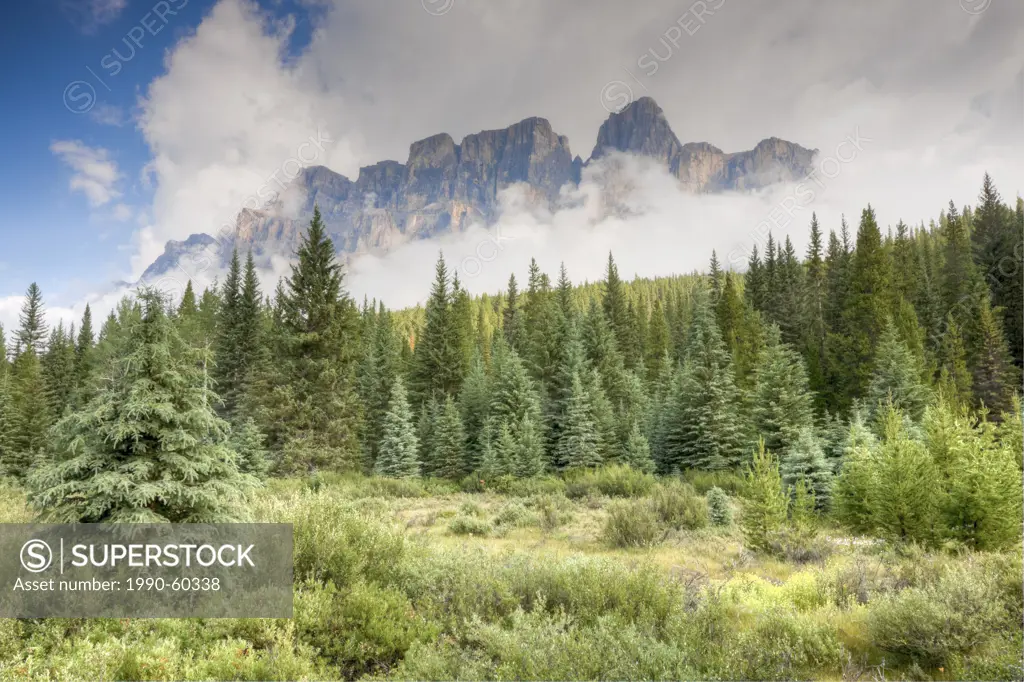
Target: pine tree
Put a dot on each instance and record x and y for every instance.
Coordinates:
(474, 404)
(248, 442)
(715, 275)
(32, 333)
(9, 460)
(813, 313)
(397, 454)
(764, 511)
(449, 443)
(780, 404)
(657, 343)
(804, 461)
(994, 375)
(578, 444)
(85, 357)
(637, 452)
(438, 359)
(230, 373)
(58, 368)
(529, 458)
(380, 368)
(896, 377)
(851, 495)
(708, 430)
(903, 485)
(148, 448)
(321, 413)
(30, 415)
(512, 323)
(614, 304)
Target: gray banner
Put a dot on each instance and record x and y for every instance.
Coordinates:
(146, 570)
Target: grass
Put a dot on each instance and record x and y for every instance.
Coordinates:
(425, 581)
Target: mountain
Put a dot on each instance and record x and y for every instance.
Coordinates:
(444, 186)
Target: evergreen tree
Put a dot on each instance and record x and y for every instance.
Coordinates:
(851, 498)
(637, 452)
(578, 444)
(903, 485)
(780, 404)
(706, 430)
(512, 323)
(248, 442)
(32, 333)
(614, 304)
(30, 414)
(320, 410)
(449, 443)
(9, 459)
(439, 358)
(764, 511)
(804, 461)
(85, 355)
(896, 377)
(994, 377)
(474, 404)
(58, 368)
(148, 448)
(529, 455)
(397, 454)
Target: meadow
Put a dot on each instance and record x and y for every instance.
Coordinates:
(608, 574)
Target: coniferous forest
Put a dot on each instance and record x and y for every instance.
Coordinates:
(808, 468)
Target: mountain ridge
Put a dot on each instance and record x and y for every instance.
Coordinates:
(443, 187)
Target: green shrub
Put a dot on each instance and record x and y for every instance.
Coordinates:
(334, 542)
(784, 645)
(731, 482)
(514, 514)
(527, 487)
(679, 507)
(470, 508)
(469, 525)
(553, 511)
(942, 619)
(361, 630)
(719, 509)
(616, 480)
(632, 524)
(393, 487)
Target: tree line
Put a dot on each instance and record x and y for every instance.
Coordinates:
(175, 410)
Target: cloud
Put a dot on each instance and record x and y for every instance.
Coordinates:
(95, 173)
(89, 15)
(941, 104)
(108, 114)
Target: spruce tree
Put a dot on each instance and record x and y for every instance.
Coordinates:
(529, 457)
(994, 376)
(474, 404)
(614, 304)
(321, 412)
(804, 460)
(85, 357)
(578, 443)
(248, 443)
(438, 359)
(380, 368)
(896, 377)
(637, 452)
(58, 368)
(449, 443)
(30, 414)
(31, 335)
(9, 460)
(148, 448)
(397, 455)
(710, 432)
(512, 322)
(902, 496)
(780, 404)
(764, 510)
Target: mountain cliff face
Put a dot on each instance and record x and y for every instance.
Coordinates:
(444, 186)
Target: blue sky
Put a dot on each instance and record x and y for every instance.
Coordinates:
(74, 72)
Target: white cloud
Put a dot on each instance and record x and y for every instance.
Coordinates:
(95, 173)
(108, 114)
(89, 15)
(941, 104)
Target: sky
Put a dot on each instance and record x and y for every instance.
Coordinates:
(126, 123)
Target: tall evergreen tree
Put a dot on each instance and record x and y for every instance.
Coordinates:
(578, 444)
(438, 359)
(31, 336)
(781, 403)
(512, 322)
(397, 455)
(319, 324)
(994, 376)
(896, 378)
(148, 447)
(449, 442)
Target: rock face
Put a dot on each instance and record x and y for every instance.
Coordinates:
(444, 186)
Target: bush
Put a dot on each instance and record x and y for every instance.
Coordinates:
(361, 630)
(469, 525)
(334, 542)
(934, 623)
(514, 515)
(616, 480)
(731, 482)
(553, 511)
(632, 524)
(678, 506)
(785, 645)
(719, 509)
